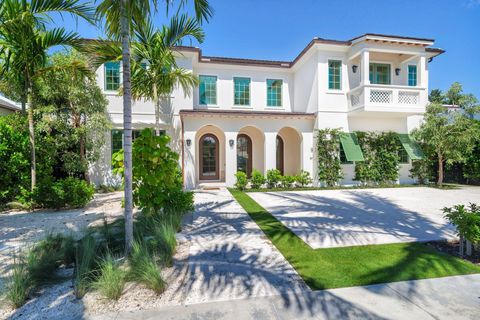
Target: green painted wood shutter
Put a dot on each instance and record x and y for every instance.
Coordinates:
(350, 145)
(412, 147)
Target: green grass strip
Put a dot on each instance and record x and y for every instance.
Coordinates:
(357, 265)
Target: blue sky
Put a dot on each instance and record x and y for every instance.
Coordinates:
(280, 29)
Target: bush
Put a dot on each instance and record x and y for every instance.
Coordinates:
(143, 268)
(70, 192)
(287, 181)
(257, 180)
(242, 181)
(328, 151)
(111, 281)
(19, 285)
(422, 171)
(303, 178)
(466, 220)
(273, 177)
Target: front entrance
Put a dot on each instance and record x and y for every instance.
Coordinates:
(244, 154)
(208, 146)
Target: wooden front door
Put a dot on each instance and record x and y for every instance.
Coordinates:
(208, 148)
(244, 154)
(280, 154)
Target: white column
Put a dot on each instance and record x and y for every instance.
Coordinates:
(423, 72)
(307, 152)
(365, 67)
(189, 160)
(230, 158)
(270, 150)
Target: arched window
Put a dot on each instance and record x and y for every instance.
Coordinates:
(244, 154)
(280, 154)
(208, 157)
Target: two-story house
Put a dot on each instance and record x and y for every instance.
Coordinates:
(259, 114)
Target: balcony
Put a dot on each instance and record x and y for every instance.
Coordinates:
(387, 98)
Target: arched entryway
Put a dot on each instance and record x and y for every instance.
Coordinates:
(289, 151)
(209, 157)
(280, 154)
(244, 154)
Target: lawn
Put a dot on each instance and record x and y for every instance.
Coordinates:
(354, 266)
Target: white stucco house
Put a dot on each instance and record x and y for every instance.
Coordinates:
(261, 114)
(8, 106)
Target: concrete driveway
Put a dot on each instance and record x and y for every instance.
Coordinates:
(338, 218)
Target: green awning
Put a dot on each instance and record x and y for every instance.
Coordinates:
(412, 147)
(350, 145)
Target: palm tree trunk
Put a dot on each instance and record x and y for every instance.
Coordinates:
(31, 135)
(440, 170)
(127, 126)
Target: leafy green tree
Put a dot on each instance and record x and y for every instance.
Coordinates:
(436, 96)
(121, 17)
(448, 136)
(24, 43)
(70, 104)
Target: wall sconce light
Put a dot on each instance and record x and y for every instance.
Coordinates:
(354, 68)
(397, 71)
(231, 142)
(189, 142)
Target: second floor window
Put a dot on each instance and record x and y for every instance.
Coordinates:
(112, 76)
(379, 73)
(274, 93)
(241, 91)
(208, 90)
(412, 75)
(334, 75)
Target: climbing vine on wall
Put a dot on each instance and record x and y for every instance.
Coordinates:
(380, 151)
(328, 150)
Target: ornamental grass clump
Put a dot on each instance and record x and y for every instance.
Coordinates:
(84, 265)
(112, 277)
(19, 285)
(144, 269)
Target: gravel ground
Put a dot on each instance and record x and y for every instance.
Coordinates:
(221, 255)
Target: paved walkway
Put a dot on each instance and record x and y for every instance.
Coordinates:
(445, 298)
(337, 218)
(229, 256)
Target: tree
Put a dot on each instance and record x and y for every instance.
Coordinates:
(121, 18)
(71, 104)
(447, 135)
(24, 44)
(436, 96)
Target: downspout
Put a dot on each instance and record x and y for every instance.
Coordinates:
(183, 151)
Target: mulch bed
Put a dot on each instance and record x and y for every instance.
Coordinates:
(453, 248)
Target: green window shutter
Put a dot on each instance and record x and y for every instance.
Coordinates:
(412, 147)
(274, 93)
(350, 145)
(208, 90)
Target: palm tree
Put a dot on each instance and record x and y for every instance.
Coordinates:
(24, 44)
(121, 18)
(155, 73)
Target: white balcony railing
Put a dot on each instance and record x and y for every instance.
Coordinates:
(387, 98)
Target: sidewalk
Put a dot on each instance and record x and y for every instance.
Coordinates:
(443, 298)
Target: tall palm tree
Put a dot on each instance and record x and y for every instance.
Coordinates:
(121, 18)
(155, 73)
(24, 44)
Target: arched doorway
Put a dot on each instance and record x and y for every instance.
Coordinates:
(244, 154)
(280, 154)
(209, 162)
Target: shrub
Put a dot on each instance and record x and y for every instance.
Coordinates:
(273, 177)
(111, 281)
(287, 181)
(144, 269)
(303, 178)
(70, 192)
(19, 285)
(466, 220)
(328, 151)
(422, 171)
(84, 263)
(179, 202)
(257, 180)
(242, 181)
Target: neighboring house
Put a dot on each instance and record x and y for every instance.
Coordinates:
(260, 114)
(8, 106)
